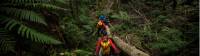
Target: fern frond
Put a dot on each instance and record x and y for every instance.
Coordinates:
(34, 5)
(6, 42)
(61, 1)
(10, 24)
(36, 36)
(23, 14)
(30, 33)
(50, 6)
(25, 1)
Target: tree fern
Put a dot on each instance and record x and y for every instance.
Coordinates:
(36, 36)
(17, 18)
(29, 32)
(25, 1)
(35, 6)
(23, 14)
(6, 42)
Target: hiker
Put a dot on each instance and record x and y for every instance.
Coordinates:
(104, 19)
(102, 25)
(107, 47)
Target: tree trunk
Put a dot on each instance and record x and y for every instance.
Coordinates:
(130, 50)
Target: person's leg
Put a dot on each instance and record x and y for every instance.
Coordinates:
(104, 32)
(98, 31)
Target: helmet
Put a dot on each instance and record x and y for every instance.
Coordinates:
(101, 17)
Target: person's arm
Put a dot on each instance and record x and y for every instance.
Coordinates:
(116, 50)
(98, 44)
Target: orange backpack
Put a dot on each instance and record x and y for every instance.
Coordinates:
(101, 24)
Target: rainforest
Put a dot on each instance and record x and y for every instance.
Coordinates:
(99, 28)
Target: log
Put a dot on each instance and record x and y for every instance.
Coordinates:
(130, 50)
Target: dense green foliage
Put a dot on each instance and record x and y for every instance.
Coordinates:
(166, 28)
(53, 27)
(20, 22)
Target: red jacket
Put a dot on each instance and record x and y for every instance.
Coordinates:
(113, 46)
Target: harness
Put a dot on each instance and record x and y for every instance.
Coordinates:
(105, 45)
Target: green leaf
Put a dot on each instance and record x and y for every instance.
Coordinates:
(6, 42)
(37, 36)
(23, 14)
(26, 1)
(32, 34)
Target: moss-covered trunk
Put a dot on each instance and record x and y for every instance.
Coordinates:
(130, 50)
